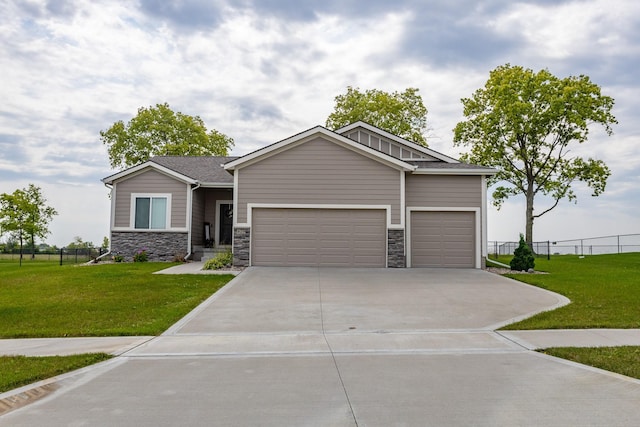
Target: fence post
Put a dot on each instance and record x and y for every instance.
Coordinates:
(61, 249)
(618, 243)
(548, 250)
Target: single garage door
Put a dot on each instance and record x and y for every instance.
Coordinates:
(318, 237)
(442, 239)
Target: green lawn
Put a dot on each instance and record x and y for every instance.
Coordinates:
(16, 371)
(604, 291)
(623, 360)
(42, 299)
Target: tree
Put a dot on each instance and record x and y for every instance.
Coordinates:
(105, 242)
(402, 114)
(158, 131)
(78, 243)
(25, 214)
(523, 259)
(522, 123)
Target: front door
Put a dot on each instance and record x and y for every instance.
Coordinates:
(225, 224)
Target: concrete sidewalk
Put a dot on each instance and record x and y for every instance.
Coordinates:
(68, 346)
(428, 341)
(195, 267)
(539, 339)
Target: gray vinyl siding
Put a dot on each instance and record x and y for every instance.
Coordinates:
(386, 146)
(443, 191)
(197, 217)
(318, 172)
(151, 181)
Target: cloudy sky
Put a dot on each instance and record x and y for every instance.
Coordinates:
(262, 70)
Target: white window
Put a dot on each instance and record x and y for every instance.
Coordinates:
(150, 211)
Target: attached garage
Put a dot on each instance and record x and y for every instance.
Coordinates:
(443, 239)
(318, 237)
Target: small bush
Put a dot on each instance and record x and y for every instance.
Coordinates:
(118, 258)
(179, 257)
(141, 256)
(222, 260)
(522, 257)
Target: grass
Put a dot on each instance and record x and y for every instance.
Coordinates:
(17, 371)
(623, 360)
(604, 291)
(42, 299)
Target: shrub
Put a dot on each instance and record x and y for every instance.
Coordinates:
(222, 260)
(118, 258)
(141, 256)
(179, 257)
(522, 257)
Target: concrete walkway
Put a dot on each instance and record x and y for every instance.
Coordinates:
(345, 348)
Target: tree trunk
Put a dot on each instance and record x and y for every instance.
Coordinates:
(33, 248)
(529, 217)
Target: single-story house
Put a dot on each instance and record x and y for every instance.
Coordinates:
(357, 196)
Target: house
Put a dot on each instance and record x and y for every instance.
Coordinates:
(357, 196)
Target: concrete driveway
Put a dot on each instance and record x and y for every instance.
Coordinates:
(344, 347)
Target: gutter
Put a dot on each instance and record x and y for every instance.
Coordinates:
(190, 219)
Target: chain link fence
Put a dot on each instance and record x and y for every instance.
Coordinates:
(621, 243)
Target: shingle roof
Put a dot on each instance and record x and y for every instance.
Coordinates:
(204, 169)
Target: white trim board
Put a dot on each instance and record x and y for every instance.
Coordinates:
(129, 173)
(310, 134)
(478, 234)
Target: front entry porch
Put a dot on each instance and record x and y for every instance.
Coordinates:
(212, 222)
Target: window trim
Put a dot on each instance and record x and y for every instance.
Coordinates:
(132, 217)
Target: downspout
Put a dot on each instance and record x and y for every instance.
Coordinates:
(190, 219)
(493, 261)
(110, 187)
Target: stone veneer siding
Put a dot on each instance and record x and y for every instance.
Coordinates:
(159, 246)
(241, 246)
(395, 249)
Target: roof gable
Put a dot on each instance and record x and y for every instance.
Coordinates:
(205, 170)
(308, 135)
(394, 139)
(127, 173)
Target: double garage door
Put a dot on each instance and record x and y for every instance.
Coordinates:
(318, 237)
(357, 238)
(443, 239)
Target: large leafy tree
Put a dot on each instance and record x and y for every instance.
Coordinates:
(159, 131)
(400, 113)
(523, 123)
(24, 214)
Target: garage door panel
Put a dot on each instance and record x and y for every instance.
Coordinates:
(442, 239)
(318, 237)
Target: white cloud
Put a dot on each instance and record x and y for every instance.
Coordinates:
(568, 29)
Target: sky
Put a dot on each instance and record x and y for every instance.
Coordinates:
(263, 70)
